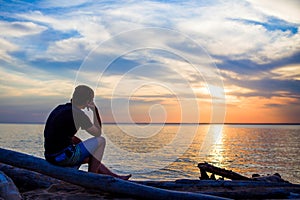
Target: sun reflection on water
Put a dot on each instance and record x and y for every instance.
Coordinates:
(212, 147)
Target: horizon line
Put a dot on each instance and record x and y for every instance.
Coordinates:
(178, 123)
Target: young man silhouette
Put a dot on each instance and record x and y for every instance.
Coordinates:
(63, 148)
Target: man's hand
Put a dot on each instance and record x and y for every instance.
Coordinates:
(97, 119)
(76, 140)
(91, 105)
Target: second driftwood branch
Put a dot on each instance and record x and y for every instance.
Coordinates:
(229, 174)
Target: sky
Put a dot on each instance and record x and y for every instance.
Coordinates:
(171, 61)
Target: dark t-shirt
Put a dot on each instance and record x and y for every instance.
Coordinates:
(62, 124)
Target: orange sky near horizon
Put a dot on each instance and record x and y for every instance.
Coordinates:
(246, 110)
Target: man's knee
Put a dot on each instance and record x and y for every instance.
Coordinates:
(101, 140)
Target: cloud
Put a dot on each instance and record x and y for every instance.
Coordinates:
(18, 85)
(143, 67)
(274, 80)
(280, 45)
(266, 85)
(20, 29)
(70, 49)
(12, 31)
(6, 48)
(239, 31)
(57, 22)
(61, 4)
(219, 34)
(90, 33)
(29, 96)
(289, 72)
(239, 40)
(287, 10)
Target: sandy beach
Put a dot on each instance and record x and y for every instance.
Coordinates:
(66, 191)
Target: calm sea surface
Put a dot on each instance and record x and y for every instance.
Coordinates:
(168, 152)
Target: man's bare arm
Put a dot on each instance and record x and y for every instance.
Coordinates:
(96, 128)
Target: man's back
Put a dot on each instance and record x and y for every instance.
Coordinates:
(59, 129)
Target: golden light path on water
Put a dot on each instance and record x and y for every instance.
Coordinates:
(218, 146)
(212, 145)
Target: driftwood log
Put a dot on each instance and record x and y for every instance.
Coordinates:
(8, 190)
(232, 189)
(205, 167)
(94, 181)
(27, 180)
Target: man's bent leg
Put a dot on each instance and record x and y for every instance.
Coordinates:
(96, 147)
(92, 144)
(102, 169)
(92, 151)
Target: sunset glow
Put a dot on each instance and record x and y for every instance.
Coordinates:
(248, 68)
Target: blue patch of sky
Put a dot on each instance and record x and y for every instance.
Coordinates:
(199, 3)
(7, 17)
(246, 66)
(21, 55)
(273, 24)
(121, 66)
(73, 4)
(55, 66)
(50, 35)
(266, 87)
(270, 87)
(293, 59)
(40, 44)
(9, 10)
(43, 40)
(58, 69)
(10, 7)
(14, 6)
(149, 69)
(147, 64)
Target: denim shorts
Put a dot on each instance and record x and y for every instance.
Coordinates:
(72, 156)
(84, 153)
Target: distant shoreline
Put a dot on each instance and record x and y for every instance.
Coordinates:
(143, 123)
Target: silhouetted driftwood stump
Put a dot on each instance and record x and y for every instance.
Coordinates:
(205, 167)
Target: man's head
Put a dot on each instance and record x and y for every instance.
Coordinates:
(82, 95)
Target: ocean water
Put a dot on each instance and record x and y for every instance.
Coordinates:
(172, 151)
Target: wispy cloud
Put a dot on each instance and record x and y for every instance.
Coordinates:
(287, 10)
(18, 85)
(289, 72)
(19, 29)
(6, 48)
